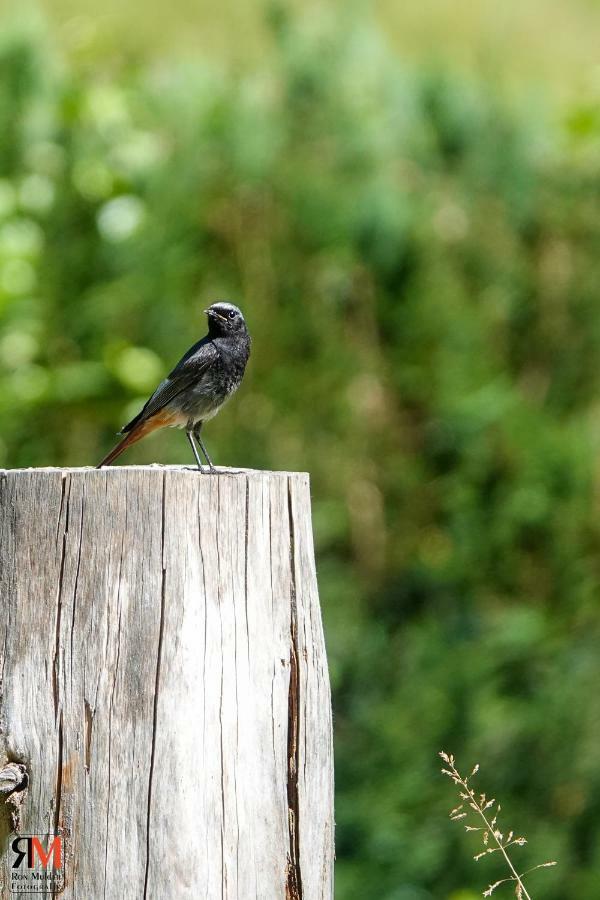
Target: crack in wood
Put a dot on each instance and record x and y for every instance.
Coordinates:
(293, 887)
(59, 775)
(156, 687)
(87, 741)
(219, 595)
(246, 530)
(59, 598)
(77, 570)
(111, 704)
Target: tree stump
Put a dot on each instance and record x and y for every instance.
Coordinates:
(165, 703)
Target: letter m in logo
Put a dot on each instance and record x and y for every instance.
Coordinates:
(54, 851)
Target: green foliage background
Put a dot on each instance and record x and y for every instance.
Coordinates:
(417, 258)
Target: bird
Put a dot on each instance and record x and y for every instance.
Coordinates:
(196, 389)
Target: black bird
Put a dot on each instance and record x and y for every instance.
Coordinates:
(199, 384)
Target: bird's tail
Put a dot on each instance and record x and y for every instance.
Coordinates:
(139, 431)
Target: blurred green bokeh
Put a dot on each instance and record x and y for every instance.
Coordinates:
(416, 250)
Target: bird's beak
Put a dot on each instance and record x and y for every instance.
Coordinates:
(214, 315)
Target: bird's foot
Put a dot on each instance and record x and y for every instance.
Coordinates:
(204, 470)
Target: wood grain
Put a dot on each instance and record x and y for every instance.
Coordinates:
(164, 682)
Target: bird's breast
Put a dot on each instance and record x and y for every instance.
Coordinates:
(203, 399)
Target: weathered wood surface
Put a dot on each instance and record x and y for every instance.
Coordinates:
(164, 681)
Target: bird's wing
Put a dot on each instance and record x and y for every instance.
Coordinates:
(186, 373)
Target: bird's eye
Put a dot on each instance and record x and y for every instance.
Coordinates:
(231, 314)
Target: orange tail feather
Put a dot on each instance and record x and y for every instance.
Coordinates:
(160, 420)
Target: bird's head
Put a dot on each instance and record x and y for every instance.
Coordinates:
(224, 319)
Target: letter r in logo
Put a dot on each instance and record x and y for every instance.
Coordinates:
(20, 854)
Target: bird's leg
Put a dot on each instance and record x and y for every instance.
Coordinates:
(194, 449)
(197, 428)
